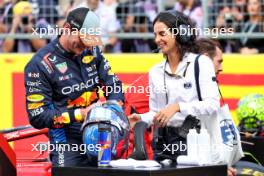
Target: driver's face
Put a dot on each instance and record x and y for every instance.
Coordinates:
(218, 60)
(75, 44)
(93, 4)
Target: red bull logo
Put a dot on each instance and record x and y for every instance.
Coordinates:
(105, 146)
(82, 101)
(61, 120)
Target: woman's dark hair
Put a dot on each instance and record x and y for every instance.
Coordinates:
(173, 20)
(261, 2)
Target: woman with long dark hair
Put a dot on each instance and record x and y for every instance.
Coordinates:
(254, 24)
(173, 94)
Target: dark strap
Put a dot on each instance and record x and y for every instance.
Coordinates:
(184, 73)
(222, 98)
(196, 75)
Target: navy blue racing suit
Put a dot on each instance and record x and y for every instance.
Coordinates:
(57, 84)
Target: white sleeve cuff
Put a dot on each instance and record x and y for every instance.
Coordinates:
(148, 117)
(184, 108)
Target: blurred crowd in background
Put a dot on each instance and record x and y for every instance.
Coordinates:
(131, 16)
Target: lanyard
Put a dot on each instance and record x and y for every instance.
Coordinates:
(171, 75)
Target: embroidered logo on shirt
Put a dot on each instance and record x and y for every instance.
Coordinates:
(62, 67)
(87, 59)
(53, 59)
(187, 85)
(35, 98)
(46, 63)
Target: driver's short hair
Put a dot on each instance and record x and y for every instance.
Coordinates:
(205, 45)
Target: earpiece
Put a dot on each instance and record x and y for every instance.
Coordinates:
(184, 34)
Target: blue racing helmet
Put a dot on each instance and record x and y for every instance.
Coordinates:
(110, 114)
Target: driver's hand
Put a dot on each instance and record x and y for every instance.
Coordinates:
(84, 111)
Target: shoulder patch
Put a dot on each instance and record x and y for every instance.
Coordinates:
(53, 58)
(46, 63)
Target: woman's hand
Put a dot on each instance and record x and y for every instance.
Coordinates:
(163, 116)
(231, 171)
(84, 112)
(133, 119)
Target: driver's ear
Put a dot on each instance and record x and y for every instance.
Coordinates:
(67, 27)
(206, 54)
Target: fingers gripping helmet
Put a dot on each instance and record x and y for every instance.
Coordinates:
(250, 112)
(112, 115)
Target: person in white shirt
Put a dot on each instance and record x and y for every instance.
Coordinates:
(214, 51)
(173, 94)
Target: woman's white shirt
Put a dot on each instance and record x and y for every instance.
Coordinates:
(182, 90)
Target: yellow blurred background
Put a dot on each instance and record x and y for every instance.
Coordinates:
(243, 74)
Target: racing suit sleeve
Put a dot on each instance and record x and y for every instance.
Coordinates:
(41, 111)
(112, 86)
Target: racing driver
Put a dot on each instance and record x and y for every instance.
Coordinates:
(62, 80)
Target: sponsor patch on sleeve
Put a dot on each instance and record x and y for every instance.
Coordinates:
(35, 105)
(35, 98)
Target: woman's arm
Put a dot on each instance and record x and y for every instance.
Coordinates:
(153, 104)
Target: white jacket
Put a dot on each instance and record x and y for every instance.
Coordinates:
(182, 90)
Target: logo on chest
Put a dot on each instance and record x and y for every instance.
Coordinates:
(187, 85)
(65, 77)
(62, 67)
(87, 59)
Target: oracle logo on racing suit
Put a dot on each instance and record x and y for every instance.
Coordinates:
(79, 87)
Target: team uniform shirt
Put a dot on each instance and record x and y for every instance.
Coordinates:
(58, 83)
(181, 88)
